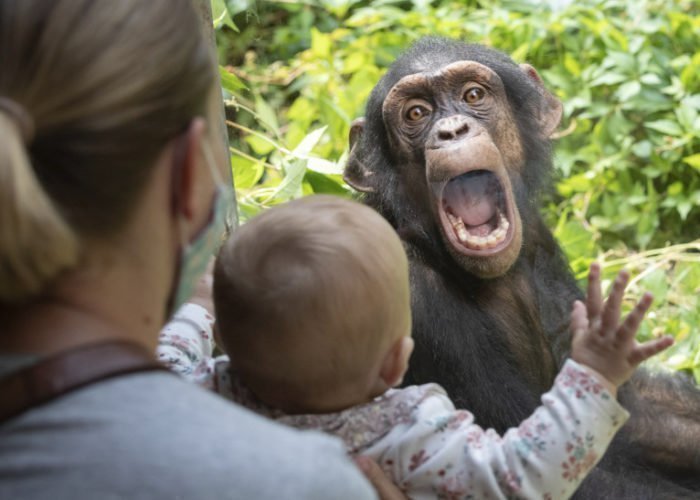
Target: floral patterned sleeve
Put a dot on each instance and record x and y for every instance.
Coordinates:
(444, 454)
(186, 345)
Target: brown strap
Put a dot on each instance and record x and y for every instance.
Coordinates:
(56, 375)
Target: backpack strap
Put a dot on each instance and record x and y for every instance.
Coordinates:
(67, 371)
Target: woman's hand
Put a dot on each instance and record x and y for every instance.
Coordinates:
(384, 487)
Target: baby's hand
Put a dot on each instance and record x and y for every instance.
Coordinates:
(600, 341)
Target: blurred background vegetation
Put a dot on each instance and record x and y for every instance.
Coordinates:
(627, 166)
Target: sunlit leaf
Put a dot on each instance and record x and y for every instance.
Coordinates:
(667, 127)
(291, 184)
(221, 15)
(309, 142)
(628, 90)
(229, 81)
(693, 161)
(259, 145)
(266, 114)
(246, 172)
(325, 184)
(320, 44)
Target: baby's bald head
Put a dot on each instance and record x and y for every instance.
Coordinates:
(309, 296)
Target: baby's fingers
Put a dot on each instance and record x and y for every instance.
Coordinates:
(629, 327)
(594, 297)
(611, 314)
(579, 319)
(648, 349)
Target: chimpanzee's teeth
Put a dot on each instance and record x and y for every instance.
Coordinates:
(493, 239)
(459, 227)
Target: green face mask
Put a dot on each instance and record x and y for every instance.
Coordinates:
(196, 254)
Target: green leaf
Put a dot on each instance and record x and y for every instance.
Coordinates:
(656, 283)
(324, 166)
(686, 115)
(320, 44)
(575, 239)
(609, 79)
(246, 173)
(309, 142)
(628, 90)
(642, 149)
(266, 115)
(646, 225)
(290, 187)
(325, 184)
(650, 79)
(221, 16)
(675, 189)
(684, 208)
(666, 127)
(260, 146)
(693, 161)
(230, 82)
(572, 65)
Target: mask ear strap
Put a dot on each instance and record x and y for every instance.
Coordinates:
(211, 163)
(225, 188)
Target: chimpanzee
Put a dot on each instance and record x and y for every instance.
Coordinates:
(455, 152)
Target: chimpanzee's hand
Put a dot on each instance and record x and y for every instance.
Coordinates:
(604, 344)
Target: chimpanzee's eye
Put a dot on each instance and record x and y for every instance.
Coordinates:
(474, 95)
(416, 113)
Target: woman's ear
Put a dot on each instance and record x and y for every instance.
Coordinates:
(189, 174)
(395, 362)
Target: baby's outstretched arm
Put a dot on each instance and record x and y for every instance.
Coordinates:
(551, 452)
(603, 343)
(186, 345)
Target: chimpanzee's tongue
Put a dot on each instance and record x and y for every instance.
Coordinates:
(473, 197)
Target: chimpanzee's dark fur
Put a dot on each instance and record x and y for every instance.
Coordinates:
(496, 344)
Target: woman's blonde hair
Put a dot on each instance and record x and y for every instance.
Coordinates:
(103, 86)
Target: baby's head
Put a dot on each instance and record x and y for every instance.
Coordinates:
(312, 305)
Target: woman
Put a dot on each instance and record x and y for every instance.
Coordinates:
(109, 204)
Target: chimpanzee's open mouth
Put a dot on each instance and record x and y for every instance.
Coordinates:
(476, 208)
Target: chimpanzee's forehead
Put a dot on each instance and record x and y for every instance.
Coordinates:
(432, 54)
(456, 73)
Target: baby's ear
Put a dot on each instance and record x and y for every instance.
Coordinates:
(396, 361)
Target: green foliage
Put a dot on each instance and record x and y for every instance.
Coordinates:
(672, 275)
(627, 156)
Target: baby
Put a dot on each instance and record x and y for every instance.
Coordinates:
(313, 309)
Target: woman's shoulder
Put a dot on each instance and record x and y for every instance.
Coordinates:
(159, 434)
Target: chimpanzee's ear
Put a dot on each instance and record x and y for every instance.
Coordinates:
(356, 172)
(356, 128)
(551, 110)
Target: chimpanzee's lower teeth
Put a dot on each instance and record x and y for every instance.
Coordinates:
(492, 240)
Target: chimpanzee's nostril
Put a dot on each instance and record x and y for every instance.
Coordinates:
(462, 130)
(453, 131)
(446, 135)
